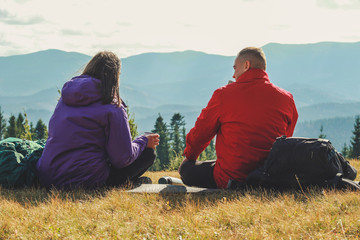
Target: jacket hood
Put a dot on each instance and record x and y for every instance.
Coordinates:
(80, 91)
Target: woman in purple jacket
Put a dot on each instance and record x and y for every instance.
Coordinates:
(89, 143)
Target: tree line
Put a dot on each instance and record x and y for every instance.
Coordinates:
(172, 142)
(353, 150)
(20, 127)
(172, 137)
(169, 152)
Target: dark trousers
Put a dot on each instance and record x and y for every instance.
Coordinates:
(198, 173)
(118, 177)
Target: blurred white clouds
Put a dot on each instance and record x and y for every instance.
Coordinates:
(12, 19)
(340, 4)
(132, 27)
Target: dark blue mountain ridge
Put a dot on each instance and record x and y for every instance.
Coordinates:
(22, 75)
(327, 66)
(322, 77)
(190, 77)
(165, 68)
(187, 77)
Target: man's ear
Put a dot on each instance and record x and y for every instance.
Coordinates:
(247, 65)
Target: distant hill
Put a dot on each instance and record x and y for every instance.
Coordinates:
(329, 110)
(185, 78)
(23, 75)
(337, 130)
(322, 77)
(316, 73)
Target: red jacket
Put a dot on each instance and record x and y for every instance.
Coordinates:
(246, 116)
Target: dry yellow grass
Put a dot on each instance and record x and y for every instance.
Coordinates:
(116, 214)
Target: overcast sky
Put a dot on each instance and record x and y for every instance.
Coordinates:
(130, 27)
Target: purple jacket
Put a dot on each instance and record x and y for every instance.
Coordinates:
(85, 136)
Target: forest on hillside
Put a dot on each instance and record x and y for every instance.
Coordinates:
(169, 152)
(173, 135)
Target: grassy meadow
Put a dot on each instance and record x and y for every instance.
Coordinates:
(116, 214)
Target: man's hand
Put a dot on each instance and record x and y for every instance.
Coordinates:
(153, 140)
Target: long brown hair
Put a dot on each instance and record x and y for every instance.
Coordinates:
(105, 66)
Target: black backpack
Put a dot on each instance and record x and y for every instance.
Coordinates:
(301, 162)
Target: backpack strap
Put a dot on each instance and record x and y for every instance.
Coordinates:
(345, 183)
(349, 171)
(339, 182)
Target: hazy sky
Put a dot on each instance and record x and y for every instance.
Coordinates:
(136, 26)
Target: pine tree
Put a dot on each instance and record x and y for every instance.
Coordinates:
(349, 152)
(2, 125)
(183, 133)
(27, 133)
(32, 129)
(322, 135)
(177, 141)
(162, 161)
(202, 156)
(210, 151)
(11, 128)
(20, 130)
(132, 124)
(355, 140)
(40, 131)
(345, 151)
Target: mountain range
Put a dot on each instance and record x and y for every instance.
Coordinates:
(322, 77)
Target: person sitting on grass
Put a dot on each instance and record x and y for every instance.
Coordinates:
(89, 143)
(246, 117)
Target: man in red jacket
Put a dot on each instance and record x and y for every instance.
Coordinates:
(246, 117)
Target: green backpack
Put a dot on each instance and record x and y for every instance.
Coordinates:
(18, 160)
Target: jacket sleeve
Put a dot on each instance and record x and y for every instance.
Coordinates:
(206, 127)
(292, 123)
(121, 150)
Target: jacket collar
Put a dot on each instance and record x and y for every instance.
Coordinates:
(253, 74)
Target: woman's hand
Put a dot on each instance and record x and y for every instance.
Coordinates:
(153, 140)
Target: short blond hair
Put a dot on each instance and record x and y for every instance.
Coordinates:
(255, 56)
